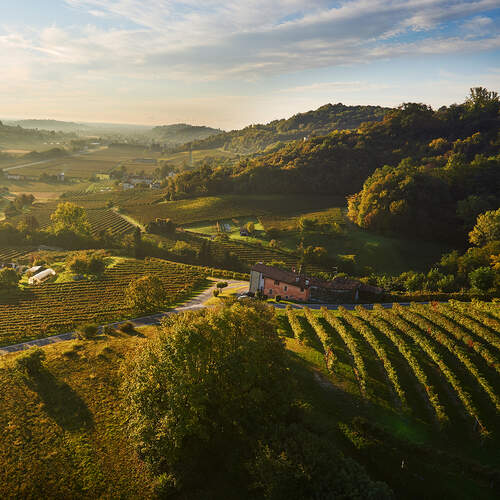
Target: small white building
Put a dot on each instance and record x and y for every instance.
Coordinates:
(41, 277)
(35, 269)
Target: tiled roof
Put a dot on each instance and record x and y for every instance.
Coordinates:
(303, 281)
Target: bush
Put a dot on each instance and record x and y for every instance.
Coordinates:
(222, 284)
(88, 331)
(216, 292)
(108, 330)
(31, 361)
(278, 298)
(127, 327)
(482, 278)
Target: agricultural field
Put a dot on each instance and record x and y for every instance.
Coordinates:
(13, 254)
(42, 310)
(100, 219)
(182, 158)
(213, 208)
(326, 216)
(84, 165)
(437, 365)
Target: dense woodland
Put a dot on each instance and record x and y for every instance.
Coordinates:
(321, 121)
(427, 171)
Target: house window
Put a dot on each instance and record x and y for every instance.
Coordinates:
(270, 291)
(276, 282)
(301, 289)
(285, 288)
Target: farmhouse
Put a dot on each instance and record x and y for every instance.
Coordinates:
(273, 281)
(41, 277)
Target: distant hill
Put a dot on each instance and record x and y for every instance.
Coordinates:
(180, 133)
(302, 125)
(431, 165)
(56, 125)
(17, 136)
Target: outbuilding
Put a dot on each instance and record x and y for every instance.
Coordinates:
(41, 277)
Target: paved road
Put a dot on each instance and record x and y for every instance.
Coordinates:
(197, 302)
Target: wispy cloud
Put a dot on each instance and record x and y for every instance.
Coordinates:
(137, 44)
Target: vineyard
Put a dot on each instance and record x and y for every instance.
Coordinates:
(439, 363)
(12, 254)
(58, 307)
(327, 216)
(100, 219)
(209, 208)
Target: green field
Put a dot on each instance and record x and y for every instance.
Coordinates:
(62, 433)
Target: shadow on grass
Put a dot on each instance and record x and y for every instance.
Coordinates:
(61, 402)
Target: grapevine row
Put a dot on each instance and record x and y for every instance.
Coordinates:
(425, 325)
(425, 345)
(351, 344)
(395, 337)
(322, 335)
(366, 331)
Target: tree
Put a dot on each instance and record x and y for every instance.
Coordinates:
(200, 393)
(9, 278)
(146, 294)
(70, 217)
(482, 278)
(487, 228)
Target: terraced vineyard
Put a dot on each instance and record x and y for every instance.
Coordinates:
(438, 362)
(12, 254)
(49, 308)
(100, 219)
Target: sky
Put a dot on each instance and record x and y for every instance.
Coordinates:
(228, 64)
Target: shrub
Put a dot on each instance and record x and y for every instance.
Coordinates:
(108, 330)
(31, 361)
(222, 284)
(88, 331)
(127, 327)
(482, 278)
(278, 298)
(216, 292)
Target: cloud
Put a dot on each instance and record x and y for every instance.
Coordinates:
(211, 39)
(137, 48)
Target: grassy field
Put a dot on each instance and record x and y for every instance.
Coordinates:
(62, 433)
(386, 254)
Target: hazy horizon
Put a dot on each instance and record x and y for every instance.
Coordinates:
(227, 66)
